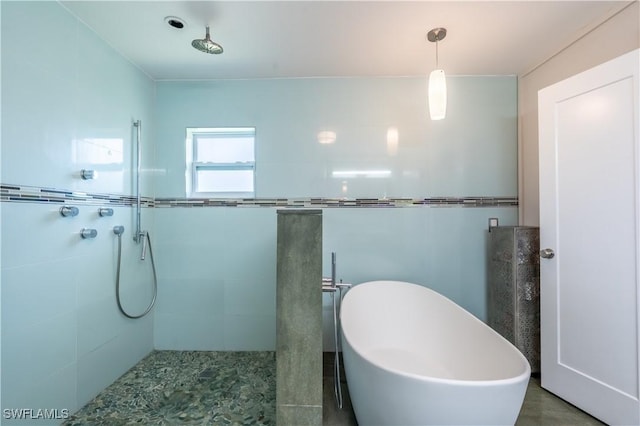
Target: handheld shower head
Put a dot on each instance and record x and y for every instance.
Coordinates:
(206, 45)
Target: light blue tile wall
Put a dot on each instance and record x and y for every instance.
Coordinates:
(217, 271)
(471, 153)
(63, 92)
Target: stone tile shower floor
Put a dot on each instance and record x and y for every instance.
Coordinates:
(188, 388)
(238, 388)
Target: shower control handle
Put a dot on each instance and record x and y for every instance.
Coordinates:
(105, 211)
(69, 211)
(88, 174)
(88, 233)
(547, 253)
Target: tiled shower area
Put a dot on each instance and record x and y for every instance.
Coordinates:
(69, 104)
(189, 387)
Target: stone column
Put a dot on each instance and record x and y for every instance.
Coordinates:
(299, 318)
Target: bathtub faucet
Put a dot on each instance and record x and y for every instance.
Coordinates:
(330, 284)
(333, 269)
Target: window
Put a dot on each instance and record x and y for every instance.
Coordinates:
(221, 162)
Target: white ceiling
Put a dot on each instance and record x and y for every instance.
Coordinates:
(273, 39)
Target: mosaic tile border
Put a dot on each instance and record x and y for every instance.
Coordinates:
(340, 202)
(21, 193)
(33, 194)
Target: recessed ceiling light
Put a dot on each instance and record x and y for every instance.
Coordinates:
(175, 22)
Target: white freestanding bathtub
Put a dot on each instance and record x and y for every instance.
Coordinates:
(414, 357)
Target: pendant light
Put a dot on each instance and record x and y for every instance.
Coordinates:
(437, 81)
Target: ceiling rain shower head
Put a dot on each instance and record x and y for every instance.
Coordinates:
(206, 45)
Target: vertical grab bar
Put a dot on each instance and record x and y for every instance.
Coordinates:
(137, 236)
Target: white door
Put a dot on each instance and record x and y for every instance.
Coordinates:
(590, 224)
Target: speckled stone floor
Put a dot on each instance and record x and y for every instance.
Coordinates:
(188, 388)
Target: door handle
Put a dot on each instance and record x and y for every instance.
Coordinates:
(547, 253)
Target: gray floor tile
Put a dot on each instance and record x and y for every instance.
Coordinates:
(544, 408)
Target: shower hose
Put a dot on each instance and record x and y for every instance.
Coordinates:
(155, 279)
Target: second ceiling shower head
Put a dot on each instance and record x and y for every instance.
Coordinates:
(207, 45)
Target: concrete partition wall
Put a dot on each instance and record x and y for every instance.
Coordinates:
(299, 318)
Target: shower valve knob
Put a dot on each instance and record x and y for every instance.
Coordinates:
(69, 211)
(88, 233)
(105, 212)
(88, 174)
